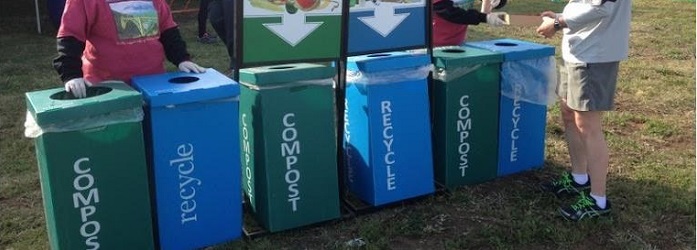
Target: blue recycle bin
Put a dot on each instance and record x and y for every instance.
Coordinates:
(385, 26)
(527, 75)
(194, 157)
(387, 133)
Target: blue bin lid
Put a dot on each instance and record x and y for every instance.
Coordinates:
(514, 50)
(387, 61)
(179, 87)
(53, 106)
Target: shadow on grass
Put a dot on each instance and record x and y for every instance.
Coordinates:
(510, 212)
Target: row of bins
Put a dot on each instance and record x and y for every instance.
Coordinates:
(275, 135)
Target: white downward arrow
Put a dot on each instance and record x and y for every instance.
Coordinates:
(384, 21)
(293, 28)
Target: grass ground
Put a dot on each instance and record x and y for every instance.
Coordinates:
(651, 137)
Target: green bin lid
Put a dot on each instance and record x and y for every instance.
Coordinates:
(455, 56)
(55, 105)
(285, 73)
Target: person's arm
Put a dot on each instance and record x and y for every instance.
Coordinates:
(174, 46)
(598, 9)
(175, 51)
(68, 63)
(486, 6)
(447, 11)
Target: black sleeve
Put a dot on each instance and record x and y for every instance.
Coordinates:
(174, 45)
(68, 63)
(447, 11)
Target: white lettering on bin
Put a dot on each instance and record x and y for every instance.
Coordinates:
(187, 183)
(84, 181)
(290, 149)
(515, 119)
(247, 159)
(388, 139)
(464, 125)
(347, 144)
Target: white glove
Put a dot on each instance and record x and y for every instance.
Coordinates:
(190, 67)
(78, 87)
(494, 19)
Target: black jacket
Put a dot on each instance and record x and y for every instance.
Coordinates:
(446, 10)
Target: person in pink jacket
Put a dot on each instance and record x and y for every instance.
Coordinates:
(116, 40)
(450, 22)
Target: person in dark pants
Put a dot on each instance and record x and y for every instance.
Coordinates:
(203, 36)
(218, 16)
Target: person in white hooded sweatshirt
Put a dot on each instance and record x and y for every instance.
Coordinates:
(595, 39)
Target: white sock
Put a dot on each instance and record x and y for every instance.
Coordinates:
(580, 178)
(601, 201)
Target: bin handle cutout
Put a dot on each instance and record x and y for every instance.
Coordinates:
(95, 129)
(298, 88)
(379, 55)
(454, 51)
(91, 92)
(183, 79)
(505, 44)
(282, 67)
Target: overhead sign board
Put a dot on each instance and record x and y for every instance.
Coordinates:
(386, 25)
(279, 31)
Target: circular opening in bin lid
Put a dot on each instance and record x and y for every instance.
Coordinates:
(378, 55)
(506, 44)
(282, 67)
(454, 51)
(91, 92)
(183, 79)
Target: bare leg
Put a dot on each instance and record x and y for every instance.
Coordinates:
(486, 6)
(597, 156)
(577, 151)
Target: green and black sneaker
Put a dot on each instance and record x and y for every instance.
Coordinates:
(565, 186)
(584, 208)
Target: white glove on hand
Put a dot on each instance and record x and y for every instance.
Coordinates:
(494, 19)
(78, 87)
(190, 67)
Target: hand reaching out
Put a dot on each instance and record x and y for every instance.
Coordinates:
(494, 19)
(190, 67)
(547, 29)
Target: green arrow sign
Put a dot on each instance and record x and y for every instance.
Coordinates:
(283, 31)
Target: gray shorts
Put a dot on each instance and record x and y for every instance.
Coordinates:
(588, 86)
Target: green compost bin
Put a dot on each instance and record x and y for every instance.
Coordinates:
(465, 103)
(92, 167)
(288, 142)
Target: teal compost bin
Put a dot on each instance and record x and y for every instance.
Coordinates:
(288, 138)
(526, 75)
(465, 97)
(387, 135)
(192, 131)
(92, 166)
